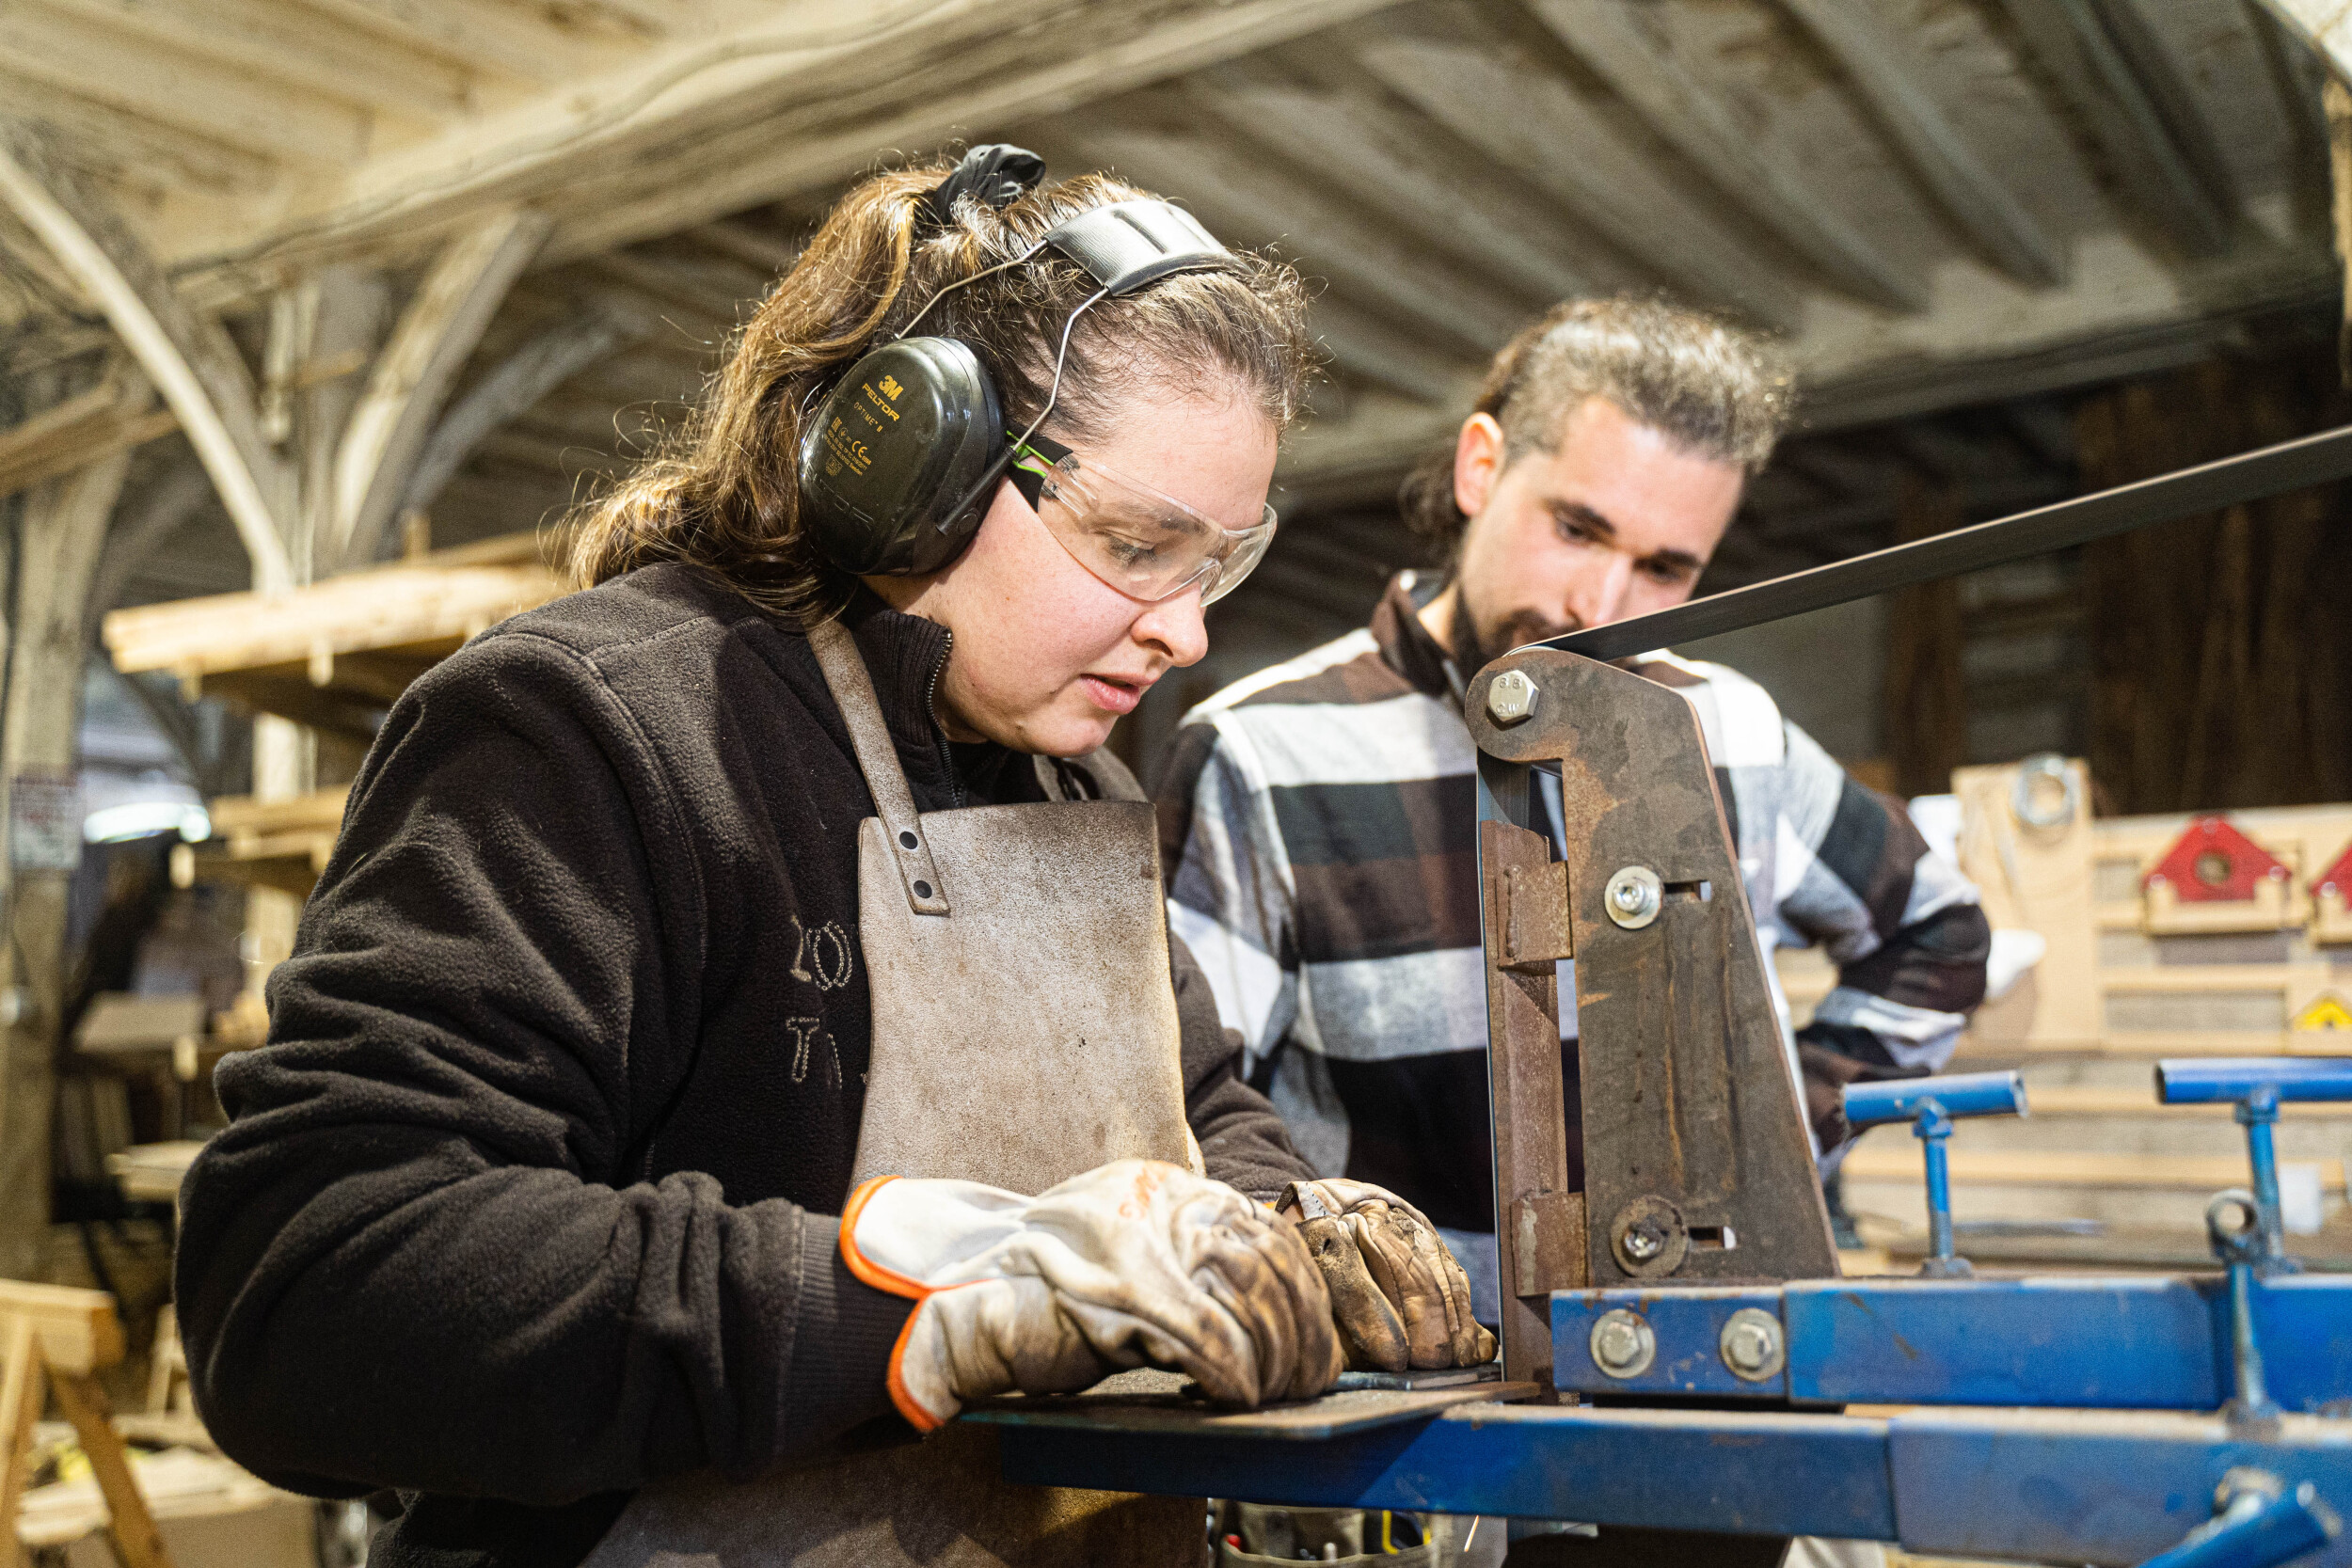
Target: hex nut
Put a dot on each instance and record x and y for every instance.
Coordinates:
(1633, 897)
(1622, 1343)
(1753, 1346)
(1512, 698)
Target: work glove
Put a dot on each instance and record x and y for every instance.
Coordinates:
(1400, 1298)
(1134, 1262)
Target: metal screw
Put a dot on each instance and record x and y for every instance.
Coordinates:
(1511, 698)
(1751, 1344)
(1622, 1343)
(1644, 1242)
(1633, 897)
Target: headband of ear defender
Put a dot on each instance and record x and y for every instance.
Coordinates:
(901, 460)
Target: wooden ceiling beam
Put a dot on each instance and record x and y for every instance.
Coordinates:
(295, 125)
(387, 432)
(190, 358)
(716, 126)
(510, 389)
(2072, 43)
(1343, 137)
(292, 46)
(115, 416)
(769, 253)
(1689, 115)
(1553, 139)
(1880, 66)
(134, 150)
(468, 35)
(1369, 349)
(1247, 202)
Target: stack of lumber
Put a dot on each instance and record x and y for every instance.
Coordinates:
(337, 653)
(279, 844)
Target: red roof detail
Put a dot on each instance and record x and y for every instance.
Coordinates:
(2233, 864)
(2339, 874)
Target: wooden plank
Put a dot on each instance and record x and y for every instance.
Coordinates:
(470, 36)
(293, 47)
(1881, 65)
(1624, 48)
(1493, 231)
(129, 1526)
(292, 123)
(1559, 144)
(76, 1330)
(2073, 48)
(23, 1387)
(1247, 202)
(436, 334)
(191, 360)
(320, 810)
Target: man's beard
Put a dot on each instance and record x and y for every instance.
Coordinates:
(1479, 641)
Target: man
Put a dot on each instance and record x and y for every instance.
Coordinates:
(1317, 819)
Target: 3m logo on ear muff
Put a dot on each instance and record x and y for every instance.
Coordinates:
(891, 388)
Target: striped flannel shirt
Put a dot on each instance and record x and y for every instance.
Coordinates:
(1317, 822)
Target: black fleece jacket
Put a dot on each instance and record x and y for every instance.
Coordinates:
(528, 1199)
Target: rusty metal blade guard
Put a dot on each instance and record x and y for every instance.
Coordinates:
(1696, 1165)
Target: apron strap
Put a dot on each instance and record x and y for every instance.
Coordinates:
(877, 759)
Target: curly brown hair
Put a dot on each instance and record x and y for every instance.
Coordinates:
(724, 494)
(1716, 389)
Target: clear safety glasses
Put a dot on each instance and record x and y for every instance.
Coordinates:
(1146, 545)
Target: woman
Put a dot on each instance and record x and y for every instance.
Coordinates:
(630, 956)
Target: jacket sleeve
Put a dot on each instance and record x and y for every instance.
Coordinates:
(1242, 1138)
(1899, 921)
(417, 1257)
(1231, 896)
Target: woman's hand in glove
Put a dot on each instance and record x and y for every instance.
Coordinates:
(1131, 1263)
(1400, 1298)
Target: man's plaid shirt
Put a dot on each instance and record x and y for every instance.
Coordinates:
(1318, 824)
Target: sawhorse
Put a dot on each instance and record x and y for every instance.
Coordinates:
(54, 1338)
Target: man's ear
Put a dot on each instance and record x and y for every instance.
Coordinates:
(1477, 463)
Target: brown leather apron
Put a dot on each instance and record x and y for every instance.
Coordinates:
(1024, 1030)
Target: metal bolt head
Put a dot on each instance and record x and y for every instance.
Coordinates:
(1512, 698)
(1645, 1240)
(1752, 1345)
(1633, 897)
(1622, 1343)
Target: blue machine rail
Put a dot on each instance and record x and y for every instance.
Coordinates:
(2224, 1080)
(2128, 1342)
(2042, 1485)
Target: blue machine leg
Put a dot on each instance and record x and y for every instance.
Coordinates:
(2257, 1522)
(1933, 1130)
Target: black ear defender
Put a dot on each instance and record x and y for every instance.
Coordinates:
(900, 462)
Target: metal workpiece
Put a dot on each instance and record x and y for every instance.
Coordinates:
(2123, 1343)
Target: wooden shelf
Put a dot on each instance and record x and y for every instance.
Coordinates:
(276, 844)
(337, 653)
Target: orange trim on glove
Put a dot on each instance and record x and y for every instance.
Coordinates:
(892, 1282)
(866, 1271)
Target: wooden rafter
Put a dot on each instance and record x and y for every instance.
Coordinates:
(112, 417)
(1689, 116)
(518, 382)
(2102, 82)
(388, 430)
(189, 358)
(1557, 142)
(1879, 65)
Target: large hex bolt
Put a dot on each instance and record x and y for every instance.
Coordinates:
(1752, 1345)
(1622, 1343)
(1633, 897)
(1510, 699)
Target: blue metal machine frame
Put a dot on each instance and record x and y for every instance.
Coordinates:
(2185, 1421)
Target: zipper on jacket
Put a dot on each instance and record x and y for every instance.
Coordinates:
(930, 711)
